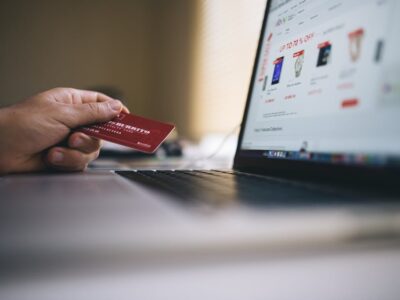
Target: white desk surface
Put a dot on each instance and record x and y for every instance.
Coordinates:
(356, 274)
(365, 271)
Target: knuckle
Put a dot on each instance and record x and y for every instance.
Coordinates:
(96, 144)
(95, 108)
(60, 90)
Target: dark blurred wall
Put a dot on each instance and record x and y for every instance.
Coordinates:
(142, 47)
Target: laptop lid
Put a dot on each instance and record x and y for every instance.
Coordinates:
(324, 98)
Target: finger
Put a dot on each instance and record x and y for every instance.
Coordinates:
(75, 96)
(69, 159)
(125, 109)
(90, 113)
(92, 96)
(84, 143)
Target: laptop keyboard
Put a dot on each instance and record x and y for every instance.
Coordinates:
(226, 187)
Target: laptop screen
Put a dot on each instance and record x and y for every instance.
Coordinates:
(327, 83)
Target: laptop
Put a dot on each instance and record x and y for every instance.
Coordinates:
(322, 110)
(317, 162)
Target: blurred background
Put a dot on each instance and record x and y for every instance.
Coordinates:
(185, 62)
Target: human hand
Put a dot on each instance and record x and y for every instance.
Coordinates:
(37, 134)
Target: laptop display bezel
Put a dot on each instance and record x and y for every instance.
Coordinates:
(299, 168)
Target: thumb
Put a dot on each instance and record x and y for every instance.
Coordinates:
(94, 112)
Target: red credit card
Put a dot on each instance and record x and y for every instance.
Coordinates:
(139, 133)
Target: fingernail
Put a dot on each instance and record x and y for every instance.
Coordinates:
(77, 142)
(116, 106)
(57, 157)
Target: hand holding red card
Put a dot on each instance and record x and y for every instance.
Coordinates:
(139, 133)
